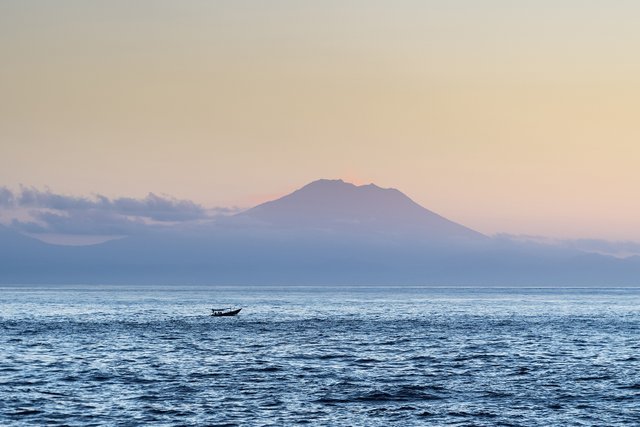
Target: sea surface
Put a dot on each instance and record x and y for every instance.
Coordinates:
(333, 356)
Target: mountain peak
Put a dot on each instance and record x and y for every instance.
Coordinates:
(336, 183)
(334, 187)
(343, 206)
(326, 183)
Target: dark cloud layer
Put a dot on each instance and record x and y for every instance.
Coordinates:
(92, 222)
(158, 208)
(6, 197)
(49, 212)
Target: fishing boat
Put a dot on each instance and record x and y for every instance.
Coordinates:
(225, 311)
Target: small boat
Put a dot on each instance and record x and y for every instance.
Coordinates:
(225, 311)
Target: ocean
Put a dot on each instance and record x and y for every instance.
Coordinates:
(332, 356)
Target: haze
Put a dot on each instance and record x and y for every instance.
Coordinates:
(515, 117)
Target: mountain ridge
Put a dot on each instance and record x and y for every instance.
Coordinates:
(369, 208)
(327, 232)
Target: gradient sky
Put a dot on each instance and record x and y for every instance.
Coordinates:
(506, 116)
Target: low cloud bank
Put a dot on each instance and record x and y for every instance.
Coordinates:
(36, 211)
(620, 249)
(158, 208)
(44, 213)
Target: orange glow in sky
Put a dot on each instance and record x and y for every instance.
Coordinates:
(517, 117)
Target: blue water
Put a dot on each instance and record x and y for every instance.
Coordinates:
(88, 355)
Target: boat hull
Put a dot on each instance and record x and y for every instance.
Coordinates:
(226, 313)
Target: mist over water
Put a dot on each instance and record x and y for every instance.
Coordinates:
(89, 355)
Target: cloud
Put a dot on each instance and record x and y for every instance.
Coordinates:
(158, 208)
(600, 246)
(6, 197)
(616, 248)
(92, 222)
(49, 212)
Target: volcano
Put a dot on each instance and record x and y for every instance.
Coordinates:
(338, 205)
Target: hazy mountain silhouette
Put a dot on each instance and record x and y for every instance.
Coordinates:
(16, 247)
(327, 232)
(337, 205)
(13, 240)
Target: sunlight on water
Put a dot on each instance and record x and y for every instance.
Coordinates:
(365, 356)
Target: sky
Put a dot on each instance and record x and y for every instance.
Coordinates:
(506, 116)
